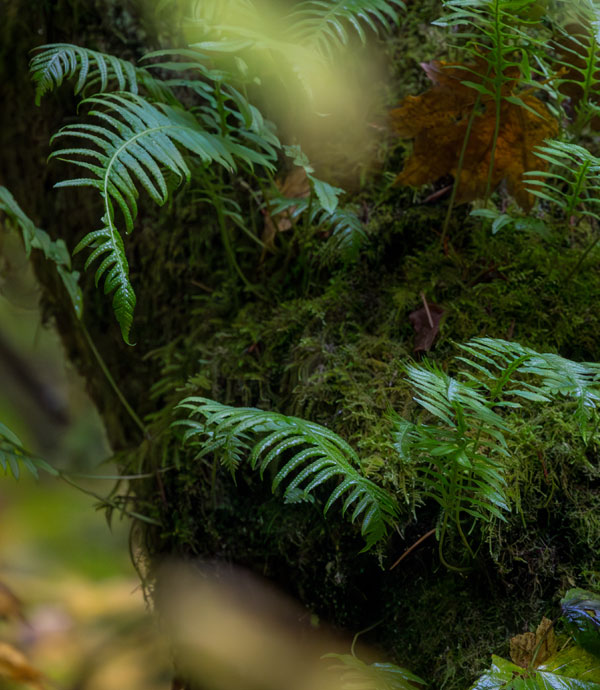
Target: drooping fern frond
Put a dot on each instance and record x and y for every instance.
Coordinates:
(13, 456)
(95, 72)
(305, 455)
(54, 250)
(134, 144)
(355, 674)
(573, 181)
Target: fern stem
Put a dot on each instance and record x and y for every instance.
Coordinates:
(107, 502)
(459, 167)
(582, 259)
(130, 411)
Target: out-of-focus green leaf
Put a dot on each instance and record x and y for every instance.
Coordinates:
(571, 669)
(581, 612)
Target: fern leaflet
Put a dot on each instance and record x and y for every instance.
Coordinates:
(311, 452)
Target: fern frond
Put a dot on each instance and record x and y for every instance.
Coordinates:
(54, 250)
(558, 377)
(323, 25)
(356, 675)
(573, 180)
(55, 62)
(13, 456)
(135, 142)
(307, 455)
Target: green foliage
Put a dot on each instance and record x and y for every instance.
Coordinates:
(55, 62)
(462, 458)
(54, 250)
(581, 611)
(571, 668)
(314, 453)
(312, 29)
(138, 140)
(13, 455)
(573, 181)
(357, 675)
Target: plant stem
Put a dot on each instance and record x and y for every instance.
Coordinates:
(130, 411)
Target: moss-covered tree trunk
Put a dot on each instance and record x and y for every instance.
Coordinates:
(326, 344)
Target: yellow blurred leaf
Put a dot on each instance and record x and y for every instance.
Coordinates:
(11, 607)
(15, 666)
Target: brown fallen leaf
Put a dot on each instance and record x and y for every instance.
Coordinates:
(426, 322)
(522, 647)
(437, 120)
(15, 666)
(11, 607)
(295, 185)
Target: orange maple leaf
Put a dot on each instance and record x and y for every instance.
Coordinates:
(437, 120)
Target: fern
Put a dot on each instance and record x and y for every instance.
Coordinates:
(308, 455)
(460, 460)
(95, 71)
(578, 54)
(55, 251)
(13, 456)
(306, 39)
(135, 143)
(322, 25)
(573, 181)
(560, 377)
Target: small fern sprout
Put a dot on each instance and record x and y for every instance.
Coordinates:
(303, 454)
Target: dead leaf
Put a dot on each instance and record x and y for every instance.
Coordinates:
(15, 666)
(11, 607)
(426, 322)
(437, 120)
(294, 186)
(523, 647)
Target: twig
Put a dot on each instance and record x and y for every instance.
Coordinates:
(414, 546)
(427, 310)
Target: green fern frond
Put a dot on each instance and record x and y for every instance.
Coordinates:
(95, 72)
(13, 456)
(558, 377)
(135, 142)
(54, 250)
(578, 53)
(356, 675)
(323, 25)
(573, 180)
(306, 454)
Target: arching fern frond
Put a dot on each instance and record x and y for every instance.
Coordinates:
(323, 26)
(306, 454)
(134, 144)
(95, 72)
